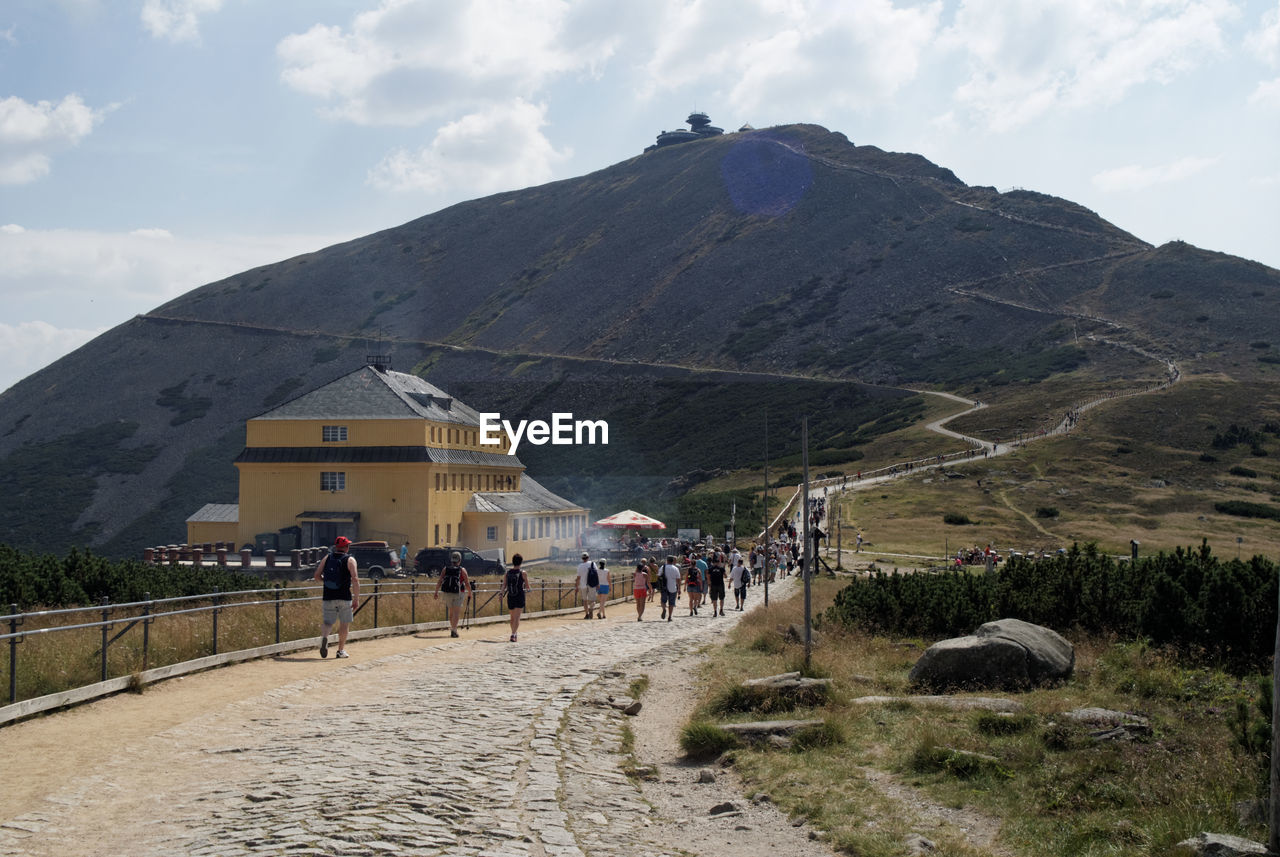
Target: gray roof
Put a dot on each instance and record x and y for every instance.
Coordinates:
(222, 513)
(370, 394)
(532, 498)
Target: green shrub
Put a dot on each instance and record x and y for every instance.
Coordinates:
(1220, 610)
(956, 519)
(1243, 471)
(998, 723)
(706, 741)
(1047, 512)
(828, 733)
(1244, 509)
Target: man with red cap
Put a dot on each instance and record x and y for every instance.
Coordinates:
(341, 594)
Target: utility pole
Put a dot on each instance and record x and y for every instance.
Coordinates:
(764, 543)
(810, 555)
(1273, 843)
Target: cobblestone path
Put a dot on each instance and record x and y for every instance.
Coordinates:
(473, 747)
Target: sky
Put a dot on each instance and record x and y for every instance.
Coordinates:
(148, 147)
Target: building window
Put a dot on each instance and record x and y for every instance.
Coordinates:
(448, 532)
(515, 531)
(331, 480)
(437, 481)
(437, 534)
(524, 527)
(491, 534)
(333, 434)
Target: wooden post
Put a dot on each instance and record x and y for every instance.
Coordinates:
(1273, 842)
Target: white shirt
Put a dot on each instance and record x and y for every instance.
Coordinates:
(671, 574)
(735, 575)
(583, 568)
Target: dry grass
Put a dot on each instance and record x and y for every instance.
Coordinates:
(50, 662)
(1056, 790)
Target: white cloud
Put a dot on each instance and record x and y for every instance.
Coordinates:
(31, 345)
(501, 148)
(1264, 42)
(1136, 177)
(816, 59)
(30, 133)
(176, 20)
(60, 286)
(1266, 94)
(409, 61)
(1026, 59)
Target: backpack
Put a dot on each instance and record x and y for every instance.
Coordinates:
(513, 581)
(593, 578)
(452, 580)
(335, 567)
(693, 578)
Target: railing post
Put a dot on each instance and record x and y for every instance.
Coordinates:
(377, 585)
(413, 601)
(14, 622)
(106, 612)
(278, 588)
(215, 620)
(146, 629)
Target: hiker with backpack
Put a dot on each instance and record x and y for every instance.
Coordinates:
(693, 584)
(715, 584)
(515, 583)
(341, 594)
(588, 584)
(455, 584)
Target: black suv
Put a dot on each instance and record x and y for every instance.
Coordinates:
(431, 560)
(376, 560)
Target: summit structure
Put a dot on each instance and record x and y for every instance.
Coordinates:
(701, 126)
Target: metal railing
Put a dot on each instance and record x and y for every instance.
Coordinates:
(57, 650)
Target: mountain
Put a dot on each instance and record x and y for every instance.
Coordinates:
(682, 293)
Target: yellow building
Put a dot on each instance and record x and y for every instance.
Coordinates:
(385, 455)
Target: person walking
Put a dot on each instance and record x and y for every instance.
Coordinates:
(341, 594)
(694, 585)
(588, 584)
(651, 566)
(455, 584)
(640, 589)
(669, 583)
(515, 583)
(715, 585)
(740, 579)
(602, 588)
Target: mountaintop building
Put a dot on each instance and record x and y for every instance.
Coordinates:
(384, 455)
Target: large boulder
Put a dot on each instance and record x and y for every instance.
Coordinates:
(1008, 653)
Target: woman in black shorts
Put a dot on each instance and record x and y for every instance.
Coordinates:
(515, 583)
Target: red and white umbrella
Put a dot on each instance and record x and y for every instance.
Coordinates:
(629, 520)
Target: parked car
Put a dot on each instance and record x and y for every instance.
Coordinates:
(376, 560)
(431, 560)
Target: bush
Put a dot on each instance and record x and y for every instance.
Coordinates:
(996, 723)
(825, 734)
(1244, 509)
(1221, 611)
(956, 519)
(1047, 512)
(1243, 471)
(706, 741)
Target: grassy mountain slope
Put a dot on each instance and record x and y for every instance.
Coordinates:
(676, 294)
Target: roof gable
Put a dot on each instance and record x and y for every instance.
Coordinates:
(373, 394)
